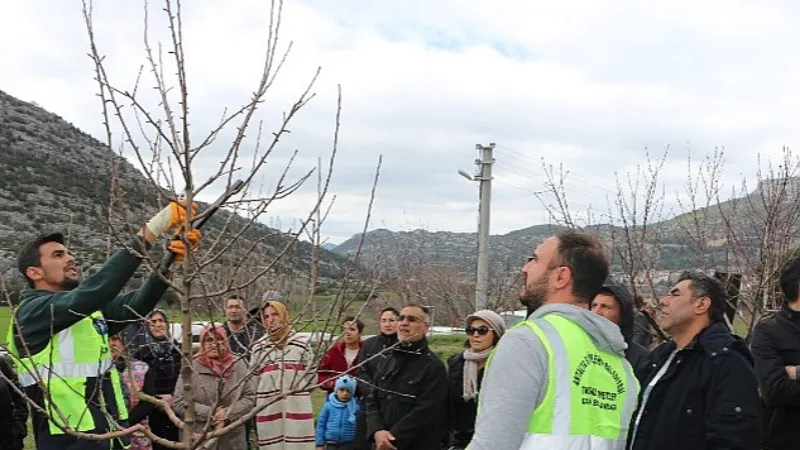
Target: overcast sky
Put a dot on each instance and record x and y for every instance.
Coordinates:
(584, 83)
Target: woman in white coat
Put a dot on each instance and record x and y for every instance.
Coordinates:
(282, 362)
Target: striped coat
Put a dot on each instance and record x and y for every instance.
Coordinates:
(288, 423)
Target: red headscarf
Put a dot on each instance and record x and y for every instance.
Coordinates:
(222, 366)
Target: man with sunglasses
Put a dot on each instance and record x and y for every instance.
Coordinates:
(559, 379)
(406, 408)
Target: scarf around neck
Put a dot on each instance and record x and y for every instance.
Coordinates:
(472, 360)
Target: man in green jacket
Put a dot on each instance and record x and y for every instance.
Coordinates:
(58, 336)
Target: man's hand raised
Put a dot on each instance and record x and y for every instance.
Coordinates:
(178, 247)
(173, 215)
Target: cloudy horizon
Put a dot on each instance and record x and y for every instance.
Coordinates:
(589, 85)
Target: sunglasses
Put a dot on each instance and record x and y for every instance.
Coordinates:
(481, 330)
(411, 319)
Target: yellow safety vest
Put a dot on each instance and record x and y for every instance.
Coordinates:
(63, 366)
(590, 396)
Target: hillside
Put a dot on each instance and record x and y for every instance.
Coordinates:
(54, 176)
(671, 241)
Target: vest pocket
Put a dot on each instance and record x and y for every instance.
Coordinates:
(67, 394)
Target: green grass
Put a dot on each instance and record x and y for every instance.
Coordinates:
(446, 346)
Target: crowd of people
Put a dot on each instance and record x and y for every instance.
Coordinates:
(581, 372)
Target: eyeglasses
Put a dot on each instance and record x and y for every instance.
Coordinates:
(481, 330)
(409, 318)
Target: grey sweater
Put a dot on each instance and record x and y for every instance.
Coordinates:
(517, 379)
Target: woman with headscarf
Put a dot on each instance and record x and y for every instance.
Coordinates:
(282, 361)
(222, 379)
(160, 351)
(465, 371)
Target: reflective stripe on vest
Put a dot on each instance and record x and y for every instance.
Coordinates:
(63, 366)
(63, 363)
(591, 394)
(64, 370)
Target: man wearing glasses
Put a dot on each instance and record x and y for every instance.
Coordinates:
(559, 379)
(406, 408)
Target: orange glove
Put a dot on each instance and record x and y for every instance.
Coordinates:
(171, 216)
(179, 248)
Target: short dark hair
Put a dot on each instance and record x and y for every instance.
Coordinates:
(30, 256)
(790, 278)
(358, 322)
(235, 297)
(390, 308)
(585, 256)
(704, 285)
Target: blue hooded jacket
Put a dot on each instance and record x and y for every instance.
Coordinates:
(337, 420)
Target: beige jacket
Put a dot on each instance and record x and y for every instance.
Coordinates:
(238, 397)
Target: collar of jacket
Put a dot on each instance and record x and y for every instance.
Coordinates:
(341, 346)
(387, 339)
(789, 313)
(715, 340)
(412, 348)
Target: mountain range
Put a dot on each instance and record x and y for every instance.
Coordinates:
(54, 176)
(727, 235)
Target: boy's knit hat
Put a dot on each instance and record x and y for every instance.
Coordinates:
(346, 382)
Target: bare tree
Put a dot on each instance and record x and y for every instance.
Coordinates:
(236, 255)
(702, 189)
(760, 231)
(555, 185)
(637, 206)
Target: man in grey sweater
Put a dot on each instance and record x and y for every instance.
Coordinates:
(561, 278)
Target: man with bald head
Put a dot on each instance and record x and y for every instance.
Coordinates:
(559, 379)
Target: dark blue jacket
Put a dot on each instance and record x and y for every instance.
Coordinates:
(337, 421)
(707, 399)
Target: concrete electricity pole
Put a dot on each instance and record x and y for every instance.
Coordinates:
(483, 175)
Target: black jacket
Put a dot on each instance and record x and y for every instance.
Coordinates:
(366, 371)
(707, 399)
(13, 409)
(460, 413)
(636, 354)
(775, 343)
(372, 347)
(164, 360)
(409, 398)
(242, 341)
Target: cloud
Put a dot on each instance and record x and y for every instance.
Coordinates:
(589, 85)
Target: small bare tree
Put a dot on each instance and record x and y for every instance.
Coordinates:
(760, 231)
(638, 205)
(237, 255)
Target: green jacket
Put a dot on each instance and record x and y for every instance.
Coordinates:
(41, 313)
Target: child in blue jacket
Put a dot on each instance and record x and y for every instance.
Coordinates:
(336, 425)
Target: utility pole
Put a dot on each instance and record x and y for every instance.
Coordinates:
(484, 177)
